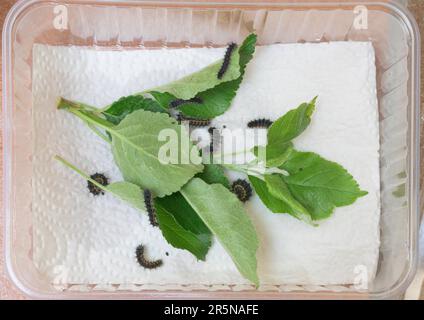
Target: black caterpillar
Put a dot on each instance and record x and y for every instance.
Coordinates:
(150, 207)
(259, 123)
(100, 178)
(193, 122)
(242, 189)
(139, 254)
(226, 61)
(214, 138)
(210, 130)
(178, 102)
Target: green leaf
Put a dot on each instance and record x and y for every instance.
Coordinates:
(292, 124)
(204, 79)
(246, 51)
(218, 99)
(275, 157)
(225, 216)
(285, 129)
(320, 185)
(214, 173)
(275, 203)
(278, 189)
(136, 148)
(179, 237)
(163, 98)
(126, 105)
(127, 192)
(215, 101)
(183, 213)
(181, 226)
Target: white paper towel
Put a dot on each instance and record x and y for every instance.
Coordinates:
(83, 239)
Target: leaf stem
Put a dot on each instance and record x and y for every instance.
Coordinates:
(276, 170)
(88, 114)
(251, 170)
(85, 115)
(98, 132)
(80, 172)
(67, 104)
(92, 118)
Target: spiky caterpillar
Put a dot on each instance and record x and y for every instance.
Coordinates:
(242, 189)
(178, 102)
(259, 123)
(150, 207)
(227, 60)
(100, 178)
(193, 122)
(214, 138)
(142, 261)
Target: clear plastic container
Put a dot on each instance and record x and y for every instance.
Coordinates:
(147, 24)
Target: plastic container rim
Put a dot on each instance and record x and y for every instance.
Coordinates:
(414, 156)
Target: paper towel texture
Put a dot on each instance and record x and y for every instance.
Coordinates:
(83, 239)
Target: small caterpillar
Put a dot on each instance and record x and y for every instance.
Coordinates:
(215, 138)
(150, 207)
(100, 178)
(211, 129)
(193, 121)
(178, 102)
(226, 62)
(242, 189)
(139, 254)
(259, 123)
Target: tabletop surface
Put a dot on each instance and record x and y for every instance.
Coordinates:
(8, 290)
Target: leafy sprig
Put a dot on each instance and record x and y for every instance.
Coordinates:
(312, 187)
(193, 201)
(135, 147)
